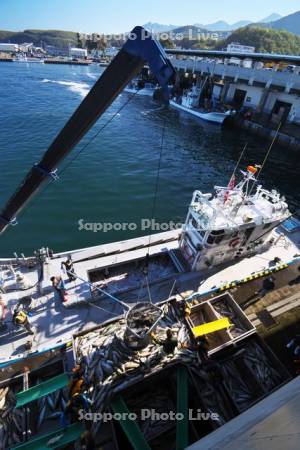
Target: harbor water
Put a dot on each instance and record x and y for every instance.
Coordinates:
(111, 178)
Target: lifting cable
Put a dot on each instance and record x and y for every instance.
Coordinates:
(98, 132)
(147, 257)
(157, 182)
(100, 290)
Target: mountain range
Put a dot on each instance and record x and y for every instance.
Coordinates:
(264, 39)
(289, 23)
(220, 25)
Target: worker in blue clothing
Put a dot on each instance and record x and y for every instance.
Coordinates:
(59, 286)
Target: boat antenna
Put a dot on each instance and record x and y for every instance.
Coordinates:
(266, 156)
(269, 150)
(239, 160)
(232, 178)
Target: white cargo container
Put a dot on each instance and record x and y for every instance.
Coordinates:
(247, 63)
(235, 47)
(8, 47)
(78, 52)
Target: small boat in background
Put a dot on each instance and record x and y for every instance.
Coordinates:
(140, 87)
(27, 59)
(189, 102)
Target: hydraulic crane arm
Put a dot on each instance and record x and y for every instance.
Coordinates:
(140, 47)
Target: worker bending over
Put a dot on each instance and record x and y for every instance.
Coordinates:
(169, 343)
(20, 318)
(59, 286)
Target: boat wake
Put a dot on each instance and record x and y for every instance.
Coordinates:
(92, 76)
(79, 88)
(150, 111)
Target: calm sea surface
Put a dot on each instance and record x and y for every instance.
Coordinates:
(113, 179)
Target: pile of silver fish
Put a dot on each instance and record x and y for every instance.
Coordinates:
(262, 375)
(266, 376)
(111, 366)
(238, 390)
(11, 420)
(160, 403)
(225, 309)
(51, 406)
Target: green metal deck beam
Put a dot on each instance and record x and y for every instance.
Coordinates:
(130, 428)
(63, 437)
(182, 426)
(42, 389)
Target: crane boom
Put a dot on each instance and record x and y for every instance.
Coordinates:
(140, 47)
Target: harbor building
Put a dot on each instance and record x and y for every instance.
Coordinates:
(26, 47)
(264, 95)
(78, 52)
(8, 47)
(52, 50)
(236, 47)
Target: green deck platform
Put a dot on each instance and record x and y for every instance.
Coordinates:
(42, 389)
(68, 435)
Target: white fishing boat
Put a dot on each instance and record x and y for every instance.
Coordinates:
(240, 232)
(235, 222)
(27, 59)
(140, 88)
(228, 236)
(189, 103)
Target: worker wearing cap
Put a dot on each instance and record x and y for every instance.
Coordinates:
(69, 268)
(20, 317)
(202, 346)
(267, 286)
(76, 382)
(26, 303)
(77, 399)
(59, 286)
(169, 343)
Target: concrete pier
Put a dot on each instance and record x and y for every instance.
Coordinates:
(265, 98)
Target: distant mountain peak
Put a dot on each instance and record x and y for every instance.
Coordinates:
(219, 25)
(271, 18)
(158, 27)
(289, 23)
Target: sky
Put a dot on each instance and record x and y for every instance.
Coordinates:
(116, 16)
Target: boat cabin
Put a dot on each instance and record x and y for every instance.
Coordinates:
(236, 221)
(191, 98)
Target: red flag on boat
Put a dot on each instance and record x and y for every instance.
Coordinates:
(230, 186)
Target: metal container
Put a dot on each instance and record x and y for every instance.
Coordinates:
(141, 320)
(216, 308)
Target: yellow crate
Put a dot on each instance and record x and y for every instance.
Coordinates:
(211, 327)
